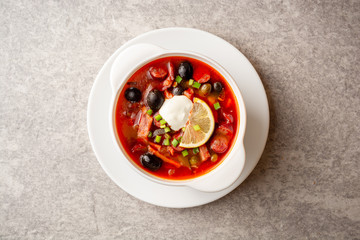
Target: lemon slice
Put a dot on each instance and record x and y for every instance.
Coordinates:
(200, 126)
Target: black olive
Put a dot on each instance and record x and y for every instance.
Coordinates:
(218, 86)
(185, 70)
(150, 161)
(178, 90)
(133, 94)
(155, 99)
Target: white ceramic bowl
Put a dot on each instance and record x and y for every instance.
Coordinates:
(228, 171)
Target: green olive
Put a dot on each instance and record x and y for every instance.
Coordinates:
(194, 160)
(214, 157)
(205, 89)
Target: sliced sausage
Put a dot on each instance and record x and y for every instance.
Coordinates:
(219, 143)
(201, 74)
(189, 93)
(170, 78)
(225, 129)
(158, 72)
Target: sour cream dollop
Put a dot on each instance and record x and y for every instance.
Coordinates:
(176, 111)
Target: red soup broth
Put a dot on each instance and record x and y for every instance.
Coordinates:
(128, 116)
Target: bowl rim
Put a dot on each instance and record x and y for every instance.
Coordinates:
(239, 136)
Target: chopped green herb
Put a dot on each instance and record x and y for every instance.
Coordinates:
(217, 106)
(183, 129)
(149, 112)
(158, 117)
(175, 142)
(178, 79)
(184, 153)
(196, 85)
(162, 126)
(196, 127)
(158, 138)
(150, 134)
(162, 122)
(166, 142)
(191, 81)
(167, 129)
(196, 150)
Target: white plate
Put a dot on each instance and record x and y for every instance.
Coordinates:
(190, 40)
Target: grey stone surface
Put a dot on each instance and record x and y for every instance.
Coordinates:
(306, 185)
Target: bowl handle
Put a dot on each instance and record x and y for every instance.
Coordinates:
(223, 178)
(129, 58)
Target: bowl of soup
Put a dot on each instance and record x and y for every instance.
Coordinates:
(177, 117)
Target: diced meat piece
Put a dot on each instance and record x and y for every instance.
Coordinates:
(170, 78)
(225, 129)
(204, 153)
(168, 94)
(170, 150)
(137, 118)
(164, 158)
(201, 74)
(189, 93)
(156, 123)
(228, 117)
(178, 134)
(170, 67)
(221, 96)
(147, 90)
(138, 148)
(178, 149)
(204, 78)
(166, 84)
(158, 72)
(219, 143)
(147, 141)
(154, 145)
(145, 124)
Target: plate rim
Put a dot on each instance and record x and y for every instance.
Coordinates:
(113, 56)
